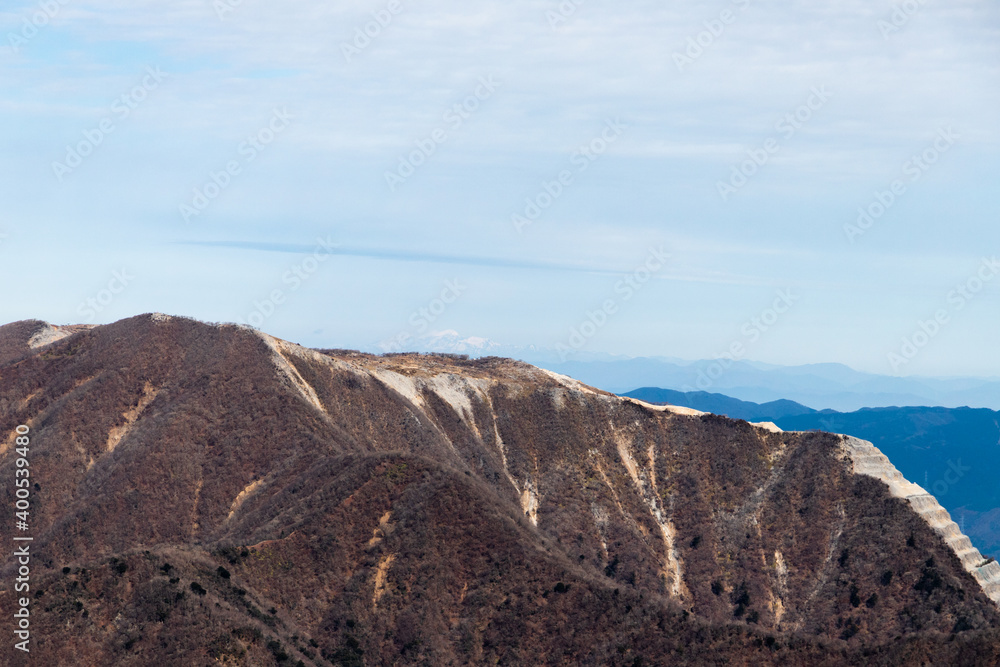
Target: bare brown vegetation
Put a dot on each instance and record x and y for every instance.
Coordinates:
(266, 504)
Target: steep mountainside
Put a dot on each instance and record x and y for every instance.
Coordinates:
(212, 495)
(954, 452)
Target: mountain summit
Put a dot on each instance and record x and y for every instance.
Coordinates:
(208, 494)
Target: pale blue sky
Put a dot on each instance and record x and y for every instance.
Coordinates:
(555, 89)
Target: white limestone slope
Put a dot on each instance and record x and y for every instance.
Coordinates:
(279, 351)
(868, 460)
(46, 336)
(673, 409)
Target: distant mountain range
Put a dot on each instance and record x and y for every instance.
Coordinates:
(823, 386)
(722, 405)
(952, 452)
(831, 386)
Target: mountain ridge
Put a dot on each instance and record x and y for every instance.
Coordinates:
(413, 508)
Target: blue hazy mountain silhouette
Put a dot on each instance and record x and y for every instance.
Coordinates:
(832, 386)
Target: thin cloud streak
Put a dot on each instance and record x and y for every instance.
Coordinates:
(470, 260)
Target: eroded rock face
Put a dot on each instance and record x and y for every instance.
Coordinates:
(413, 508)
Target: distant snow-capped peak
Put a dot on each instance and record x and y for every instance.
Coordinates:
(451, 341)
(448, 341)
